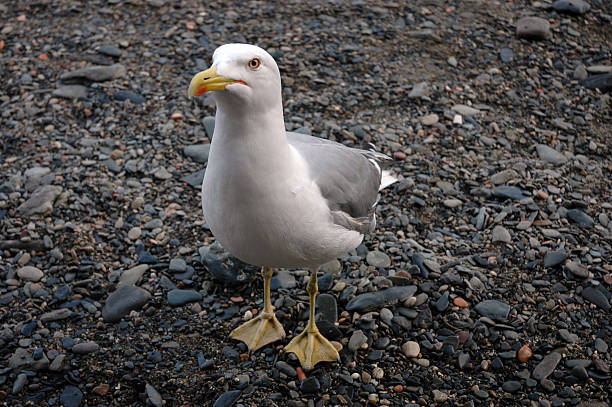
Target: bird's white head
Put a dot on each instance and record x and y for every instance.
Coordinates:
(244, 73)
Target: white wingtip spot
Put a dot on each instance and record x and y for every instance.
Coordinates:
(386, 180)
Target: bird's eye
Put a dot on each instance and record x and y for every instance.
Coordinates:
(254, 63)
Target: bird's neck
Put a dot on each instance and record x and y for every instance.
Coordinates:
(258, 134)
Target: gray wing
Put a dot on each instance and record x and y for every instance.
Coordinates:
(349, 178)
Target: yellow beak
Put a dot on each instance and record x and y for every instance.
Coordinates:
(208, 80)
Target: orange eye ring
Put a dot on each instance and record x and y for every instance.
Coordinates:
(254, 64)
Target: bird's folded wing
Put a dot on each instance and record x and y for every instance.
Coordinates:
(349, 178)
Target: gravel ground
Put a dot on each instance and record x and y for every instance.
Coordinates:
(487, 282)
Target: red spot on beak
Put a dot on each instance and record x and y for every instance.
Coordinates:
(201, 90)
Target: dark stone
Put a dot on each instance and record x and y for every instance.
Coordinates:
(325, 282)
(493, 309)
(128, 95)
(511, 386)
(546, 366)
(310, 385)
(109, 50)
(596, 297)
(509, 192)
(582, 219)
(228, 399)
(442, 302)
(327, 307)
(181, 297)
(379, 299)
(555, 258)
(123, 300)
(71, 396)
(571, 6)
(602, 82)
(195, 179)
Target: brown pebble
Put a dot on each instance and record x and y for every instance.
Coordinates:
(101, 389)
(460, 302)
(542, 195)
(524, 354)
(399, 155)
(300, 373)
(398, 388)
(177, 116)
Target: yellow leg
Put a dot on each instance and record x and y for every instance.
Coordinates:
(264, 328)
(310, 346)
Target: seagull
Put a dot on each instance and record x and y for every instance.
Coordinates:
(278, 199)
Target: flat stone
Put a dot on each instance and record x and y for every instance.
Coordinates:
(509, 192)
(503, 176)
(56, 314)
(452, 203)
(555, 258)
(550, 155)
(85, 347)
(132, 276)
(411, 349)
(71, 92)
(594, 296)
(501, 234)
(601, 346)
(195, 179)
(286, 368)
(567, 336)
(177, 265)
(506, 54)
(378, 259)
(180, 297)
(533, 28)
(41, 201)
(602, 82)
(493, 309)
(379, 299)
(162, 174)
(511, 386)
(30, 273)
(546, 366)
(579, 217)
(96, 73)
(23, 359)
(571, 6)
(153, 395)
(419, 90)
(197, 152)
(228, 399)
(133, 97)
(123, 300)
(109, 50)
(58, 363)
(465, 110)
(71, 396)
